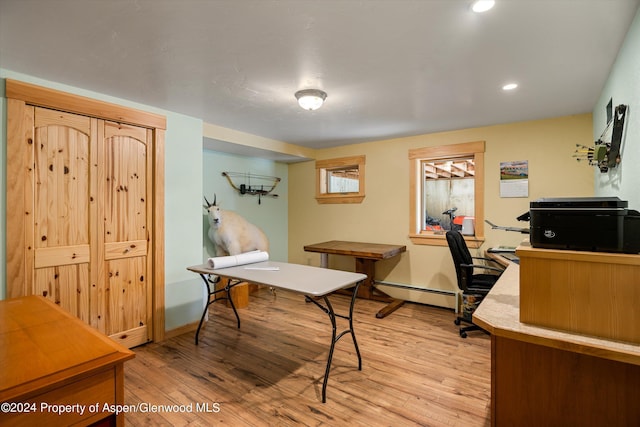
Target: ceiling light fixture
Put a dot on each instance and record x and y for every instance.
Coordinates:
(480, 6)
(311, 99)
(510, 86)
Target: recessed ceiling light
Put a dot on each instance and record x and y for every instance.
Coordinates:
(510, 86)
(480, 6)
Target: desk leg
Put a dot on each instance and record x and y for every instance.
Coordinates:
(335, 337)
(368, 267)
(324, 260)
(389, 308)
(368, 291)
(211, 299)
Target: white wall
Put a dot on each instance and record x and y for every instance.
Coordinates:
(183, 239)
(623, 87)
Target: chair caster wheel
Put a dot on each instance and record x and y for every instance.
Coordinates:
(457, 322)
(463, 334)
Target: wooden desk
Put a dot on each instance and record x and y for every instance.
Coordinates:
(542, 376)
(366, 254)
(49, 357)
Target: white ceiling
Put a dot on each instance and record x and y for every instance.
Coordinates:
(391, 68)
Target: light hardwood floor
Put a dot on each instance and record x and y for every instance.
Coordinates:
(416, 369)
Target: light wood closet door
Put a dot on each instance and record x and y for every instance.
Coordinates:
(85, 191)
(91, 229)
(62, 188)
(124, 210)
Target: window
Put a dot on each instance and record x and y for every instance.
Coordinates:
(343, 180)
(447, 185)
(340, 180)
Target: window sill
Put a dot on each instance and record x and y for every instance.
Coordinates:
(340, 198)
(473, 242)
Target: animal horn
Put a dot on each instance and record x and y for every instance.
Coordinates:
(214, 199)
(208, 205)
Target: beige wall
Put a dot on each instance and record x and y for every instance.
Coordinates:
(383, 216)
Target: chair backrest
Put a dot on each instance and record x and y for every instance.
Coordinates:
(461, 255)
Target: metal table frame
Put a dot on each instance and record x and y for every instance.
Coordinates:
(210, 287)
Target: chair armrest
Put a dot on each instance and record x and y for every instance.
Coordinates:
(486, 267)
(488, 259)
(482, 291)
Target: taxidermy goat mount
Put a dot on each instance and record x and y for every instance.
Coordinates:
(231, 233)
(253, 189)
(605, 155)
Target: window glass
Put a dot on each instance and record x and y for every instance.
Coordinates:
(340, 180)
(448, 193)
(447, 188)
(343, 180)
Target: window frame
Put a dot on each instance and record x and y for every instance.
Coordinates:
(417, 234)
(321, 178)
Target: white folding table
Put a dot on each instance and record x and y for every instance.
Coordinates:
(313, 282)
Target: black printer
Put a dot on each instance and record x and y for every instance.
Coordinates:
(601, 224)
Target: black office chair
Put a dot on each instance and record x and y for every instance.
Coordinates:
(474, 287)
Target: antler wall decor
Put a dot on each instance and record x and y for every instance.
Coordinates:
(605, 155)
(253, 189)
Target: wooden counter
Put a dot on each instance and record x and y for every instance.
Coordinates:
(52, 362)
(541, 376)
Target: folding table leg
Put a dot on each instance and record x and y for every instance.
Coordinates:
(335, 337)
(210, 294)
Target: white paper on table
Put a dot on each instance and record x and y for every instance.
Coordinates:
(240, 259)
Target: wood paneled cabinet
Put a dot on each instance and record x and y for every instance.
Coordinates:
(87, 233)
(583, 292)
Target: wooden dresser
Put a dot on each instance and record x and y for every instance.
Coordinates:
(55, 369)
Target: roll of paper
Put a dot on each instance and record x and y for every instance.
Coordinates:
(240, 259)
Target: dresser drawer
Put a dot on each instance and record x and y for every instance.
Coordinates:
(77, 399)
